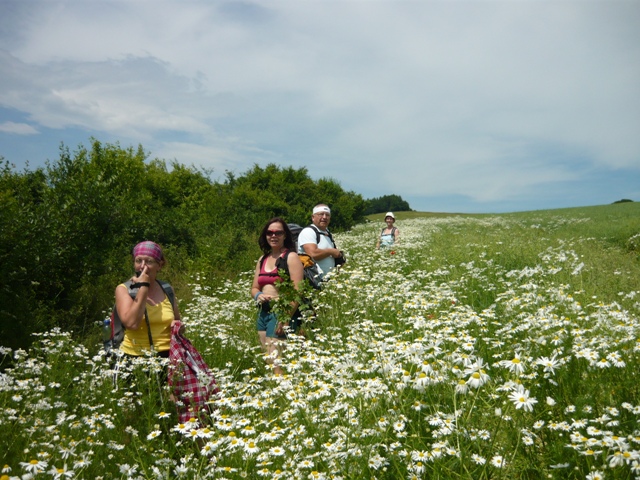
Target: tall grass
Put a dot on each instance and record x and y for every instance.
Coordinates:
(480, 347)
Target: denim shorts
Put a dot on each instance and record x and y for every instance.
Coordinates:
(268, 322)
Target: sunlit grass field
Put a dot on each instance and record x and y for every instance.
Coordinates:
(480, 347)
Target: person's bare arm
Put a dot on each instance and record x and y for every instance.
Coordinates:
(316, 253)
(130, 310)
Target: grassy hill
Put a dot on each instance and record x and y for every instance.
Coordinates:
(480, 346)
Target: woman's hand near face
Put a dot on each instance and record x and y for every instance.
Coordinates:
(143, 277)
(131, 311)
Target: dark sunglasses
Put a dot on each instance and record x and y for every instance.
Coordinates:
(277, 233)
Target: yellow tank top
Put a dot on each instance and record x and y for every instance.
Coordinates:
(160, 318)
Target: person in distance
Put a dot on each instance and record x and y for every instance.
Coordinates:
(390, 234)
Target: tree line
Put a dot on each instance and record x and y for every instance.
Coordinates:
(386, 203)
(67, 230)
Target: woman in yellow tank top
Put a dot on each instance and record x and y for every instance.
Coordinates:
(148, 262)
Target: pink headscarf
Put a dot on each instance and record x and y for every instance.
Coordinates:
(148, 249)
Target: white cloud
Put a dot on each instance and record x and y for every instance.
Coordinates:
(18, 128)
(484, 99)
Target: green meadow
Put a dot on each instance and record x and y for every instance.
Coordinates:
(479, 347)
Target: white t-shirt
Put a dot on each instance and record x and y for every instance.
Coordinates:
(308, 235)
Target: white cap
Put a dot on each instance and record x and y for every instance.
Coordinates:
(390, 214)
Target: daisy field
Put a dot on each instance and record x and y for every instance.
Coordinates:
(480, 347)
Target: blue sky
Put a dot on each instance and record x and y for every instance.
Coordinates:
(465, 106)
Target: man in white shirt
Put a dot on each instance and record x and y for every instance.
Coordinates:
(323, 251)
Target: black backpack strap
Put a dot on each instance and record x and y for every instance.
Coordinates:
(326, 234)
(132, 291)
(281, 262)
(168, 290)
(315, 229)
(146, 319)
(331, 238)
(132, 294)
(166, 287)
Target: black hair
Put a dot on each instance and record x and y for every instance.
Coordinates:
(288, 236)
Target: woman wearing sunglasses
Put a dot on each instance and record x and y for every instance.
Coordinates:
(276, 242)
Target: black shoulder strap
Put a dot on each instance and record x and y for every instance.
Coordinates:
(327, 234)
(315, 229)
(281, 262)
(168, 290)
(331, 238)
(165, 286)
(133, 292)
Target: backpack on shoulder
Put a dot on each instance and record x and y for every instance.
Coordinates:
(341, 260)
(311, 274)
(295, 231)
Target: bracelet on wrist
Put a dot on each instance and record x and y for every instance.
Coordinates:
(255, 297)
(140, 284)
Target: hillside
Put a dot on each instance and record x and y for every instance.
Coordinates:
(485, 346)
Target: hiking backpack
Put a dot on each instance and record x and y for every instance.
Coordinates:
(311, 274)
(113, 328)
(311, 271)
(296, 229)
